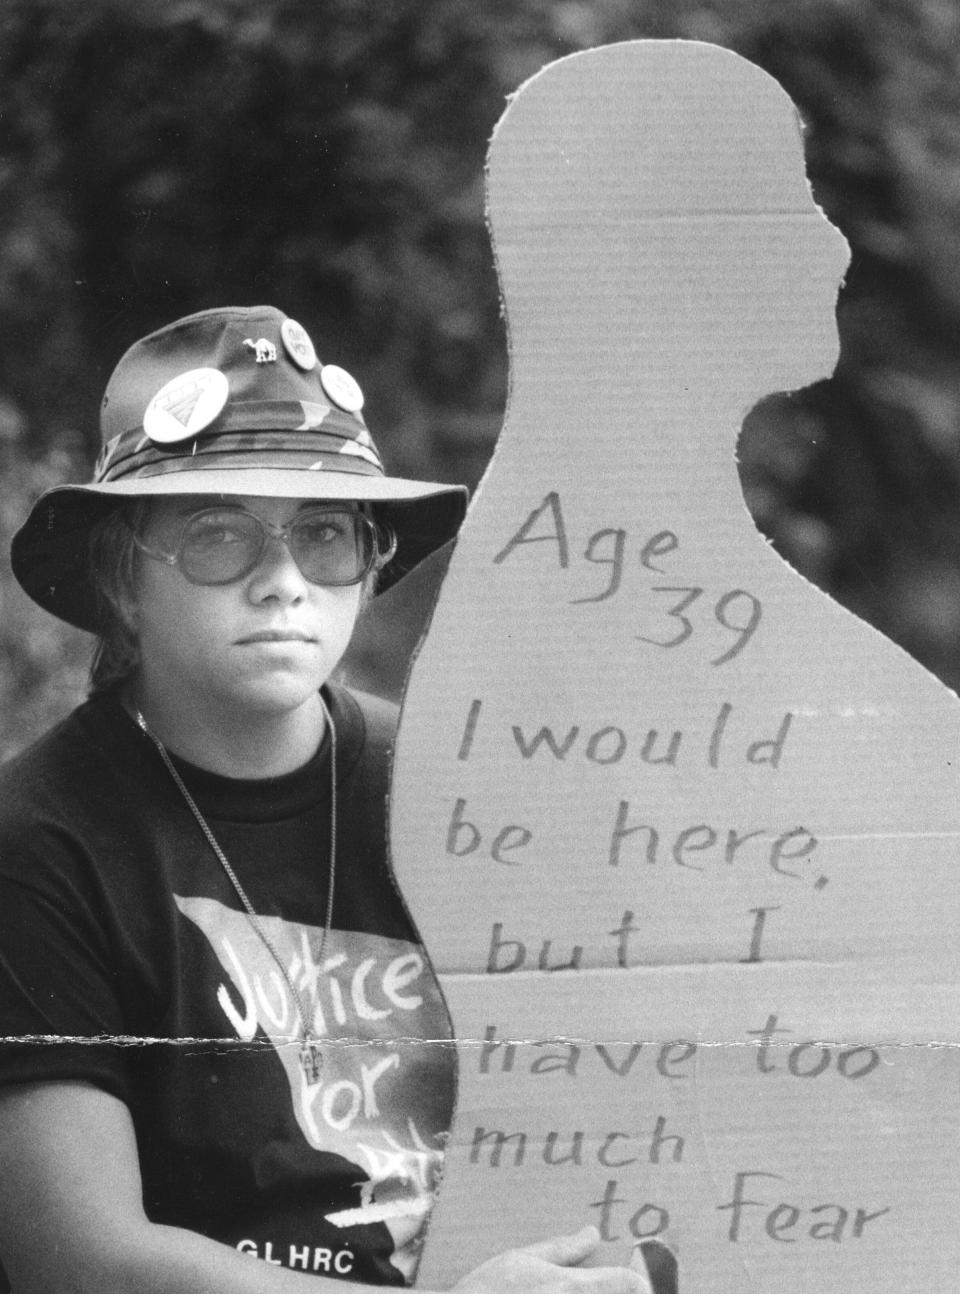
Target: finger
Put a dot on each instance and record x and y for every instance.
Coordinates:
(639, 1265)
(566, 1251)
(615, 1280)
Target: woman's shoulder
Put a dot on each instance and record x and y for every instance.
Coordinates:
(71, 760)
(373, 716)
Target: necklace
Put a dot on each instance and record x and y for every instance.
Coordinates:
(311, 1057)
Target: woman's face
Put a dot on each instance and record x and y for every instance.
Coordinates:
(262, 645)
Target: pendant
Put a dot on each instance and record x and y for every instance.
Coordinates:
(311, 1059)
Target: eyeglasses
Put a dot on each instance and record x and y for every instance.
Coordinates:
(329, 545)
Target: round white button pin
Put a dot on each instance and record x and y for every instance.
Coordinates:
(297, 344)
(185, 405)
(342, 389)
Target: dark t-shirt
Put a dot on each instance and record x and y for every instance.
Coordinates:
(120, 931)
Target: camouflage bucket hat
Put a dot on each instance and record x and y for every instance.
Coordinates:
(228, 401)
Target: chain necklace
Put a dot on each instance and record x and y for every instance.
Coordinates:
(311, 1058)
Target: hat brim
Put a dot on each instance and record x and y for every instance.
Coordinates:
(49, 552)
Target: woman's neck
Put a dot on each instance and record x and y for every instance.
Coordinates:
(232, 744)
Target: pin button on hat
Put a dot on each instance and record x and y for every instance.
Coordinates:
(342, 389)
(185, 405)
(297, 344)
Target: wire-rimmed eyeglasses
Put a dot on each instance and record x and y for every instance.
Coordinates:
(330, 545)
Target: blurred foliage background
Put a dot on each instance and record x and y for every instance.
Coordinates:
(162, 156)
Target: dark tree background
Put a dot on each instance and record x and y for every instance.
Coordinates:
(161, 156)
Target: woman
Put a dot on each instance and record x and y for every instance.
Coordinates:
(221, 997)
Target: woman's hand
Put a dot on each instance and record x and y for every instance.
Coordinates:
(554, 1267)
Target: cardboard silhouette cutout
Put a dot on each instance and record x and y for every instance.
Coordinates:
(678, 831)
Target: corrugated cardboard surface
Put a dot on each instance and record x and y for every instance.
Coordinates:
(654, 794)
